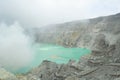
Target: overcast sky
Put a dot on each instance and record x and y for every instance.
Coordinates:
(37, 13)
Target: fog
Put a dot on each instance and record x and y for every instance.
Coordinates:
(38, 13)
(15, 47)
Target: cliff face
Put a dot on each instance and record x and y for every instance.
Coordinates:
(81, 33)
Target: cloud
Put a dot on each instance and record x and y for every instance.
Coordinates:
(15, 47)
(36, 13)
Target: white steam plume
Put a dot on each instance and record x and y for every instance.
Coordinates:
(15, 47)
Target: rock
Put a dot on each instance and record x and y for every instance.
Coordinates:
(32, 77)
(46, 71)
(72, 78)
(95, 62)
(87, 72)
(117, 52)
(115, 74)
(21, 77)
(5, 75)
(100, 43)
(117, 79)
(114, 64)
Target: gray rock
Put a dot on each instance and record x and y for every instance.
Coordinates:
(72, 78)
(5, 75)
(117, 79)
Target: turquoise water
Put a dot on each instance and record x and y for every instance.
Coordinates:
(54, 53)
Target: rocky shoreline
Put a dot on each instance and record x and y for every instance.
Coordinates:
(99, 65)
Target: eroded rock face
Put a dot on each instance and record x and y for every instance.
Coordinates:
(100, 43)
(116, 54)
(82, 33)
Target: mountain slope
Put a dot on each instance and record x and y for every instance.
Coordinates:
(81, 33)
(101, 35)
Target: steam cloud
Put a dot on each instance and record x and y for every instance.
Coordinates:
(15, 47)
